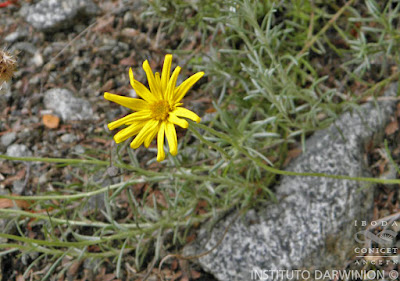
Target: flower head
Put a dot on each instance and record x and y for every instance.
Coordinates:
(7, 66)
(158, 111)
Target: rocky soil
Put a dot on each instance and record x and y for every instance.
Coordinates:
(69, 53)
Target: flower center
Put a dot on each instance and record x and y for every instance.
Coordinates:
(160, 110)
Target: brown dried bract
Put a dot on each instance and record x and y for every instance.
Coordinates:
(8, 65)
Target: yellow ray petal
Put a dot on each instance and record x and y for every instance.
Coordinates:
(130, 119)
(178, 121)
(183, 88)
(158, 80)
(166, 70)
(170, 132)
(160, 143)
(141, 89)
(128, 132)
(152, 81)
(144, 132)
(183, 112)
(150, 137)
(132, 103)
(171, 85)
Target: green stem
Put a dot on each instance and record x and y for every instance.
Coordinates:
(56, 252)
(150, 176)
(73, 196)
(260, 163)
(213, 145)
(142, 227)
(46, 247)
(56, 160)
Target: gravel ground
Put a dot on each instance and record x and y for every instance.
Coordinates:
(54, 105)
(80, 59)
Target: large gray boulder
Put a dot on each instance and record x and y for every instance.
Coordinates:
(312, 226)
(51, 15)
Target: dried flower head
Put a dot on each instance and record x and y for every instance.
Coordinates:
(7, 66)
(158, 111)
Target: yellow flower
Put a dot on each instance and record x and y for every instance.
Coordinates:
(158, 111)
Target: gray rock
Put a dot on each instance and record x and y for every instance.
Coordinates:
(312, 226)
(78, 149)
(62, 102)
(24, 134)
(50, 15)
(18, 150)
(68, 138)
(128, 18)
(18, 187)
(25, 46)
(16, 35)
(5, 91)
(43, 179)
(37, 59)
(95, 202)
(8, 138)
(12, 37)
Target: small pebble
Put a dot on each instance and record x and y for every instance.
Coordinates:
(78, 149)
(18, 150)
(66, 105)
(8, 138)
(43, 178)
(128, 18)
(24, 134)
(68, 138)
(12, 37)
(37, 59)
(112, 171)
(18, 187)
